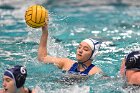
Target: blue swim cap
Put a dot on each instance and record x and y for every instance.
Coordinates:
(18, 73)
(94, 45)
(133, 60)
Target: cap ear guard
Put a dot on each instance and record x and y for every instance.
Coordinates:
(96, 48)
(20, 80)
(21, 77)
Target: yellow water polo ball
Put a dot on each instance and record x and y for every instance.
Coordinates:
(36, 16)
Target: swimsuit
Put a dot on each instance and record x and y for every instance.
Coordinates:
(74, 70)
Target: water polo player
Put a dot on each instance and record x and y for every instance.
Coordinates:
(130, 68)
(86, 52)
(14, 79)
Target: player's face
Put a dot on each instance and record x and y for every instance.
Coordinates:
(83, 52)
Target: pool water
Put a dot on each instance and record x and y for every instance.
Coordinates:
(116, 26)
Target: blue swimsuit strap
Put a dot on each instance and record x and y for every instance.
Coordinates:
(74, 67)
(86, 71)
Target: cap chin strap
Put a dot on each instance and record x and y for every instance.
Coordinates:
(82, 63)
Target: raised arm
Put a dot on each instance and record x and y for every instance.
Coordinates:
(42, 50)
(63, 63)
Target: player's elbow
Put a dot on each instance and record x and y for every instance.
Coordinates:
(41, 59)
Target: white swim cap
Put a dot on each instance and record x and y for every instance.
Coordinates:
(94, 45)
